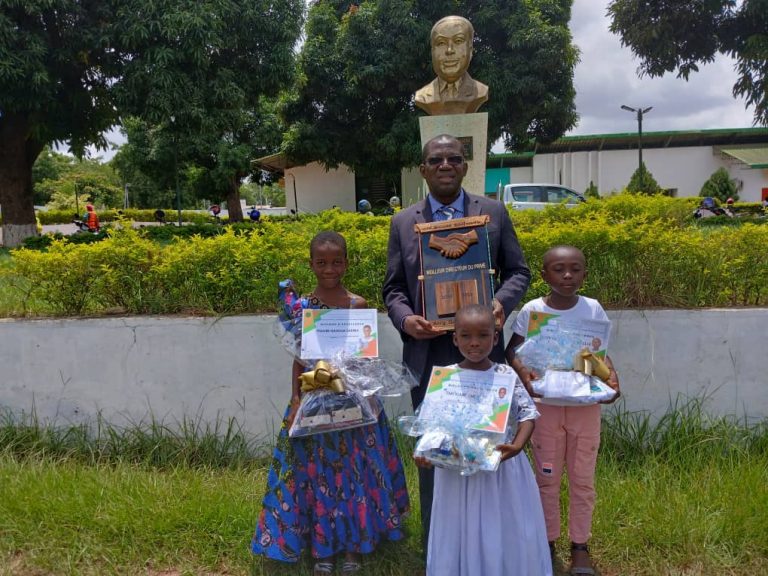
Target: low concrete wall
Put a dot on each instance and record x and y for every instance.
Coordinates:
(171, 368)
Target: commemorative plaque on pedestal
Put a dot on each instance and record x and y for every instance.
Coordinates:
(455, 267)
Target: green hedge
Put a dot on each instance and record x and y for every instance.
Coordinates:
(641, 253)
(171, 215)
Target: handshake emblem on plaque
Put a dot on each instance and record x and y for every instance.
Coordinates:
(454, 245)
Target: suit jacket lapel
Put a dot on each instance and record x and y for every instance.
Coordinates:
(424, 214)
(471, 205)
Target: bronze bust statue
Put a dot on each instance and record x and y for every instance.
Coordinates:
(454, 91)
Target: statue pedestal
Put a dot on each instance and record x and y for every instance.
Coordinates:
(472, 131)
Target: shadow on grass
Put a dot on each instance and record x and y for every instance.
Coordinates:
(390, 559)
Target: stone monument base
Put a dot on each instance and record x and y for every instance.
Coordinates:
(472, 131)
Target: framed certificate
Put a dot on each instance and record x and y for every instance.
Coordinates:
(475, 399)
(455, 267)
(548, 328)
(326, 333)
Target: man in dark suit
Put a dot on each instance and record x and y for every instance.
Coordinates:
(424, 346)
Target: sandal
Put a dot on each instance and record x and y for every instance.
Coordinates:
(350, 567)
(322, 568)
(584, 566)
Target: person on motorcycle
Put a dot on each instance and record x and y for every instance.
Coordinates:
(709, 208)
(91, 219)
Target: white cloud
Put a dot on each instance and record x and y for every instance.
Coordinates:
(606, 78)
(114, 138)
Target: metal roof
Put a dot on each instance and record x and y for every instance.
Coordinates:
(668, 139)
(273, 163)
(754, 157)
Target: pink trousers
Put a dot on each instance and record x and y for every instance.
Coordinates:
(567, 436)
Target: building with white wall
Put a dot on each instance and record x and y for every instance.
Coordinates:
(680, 162)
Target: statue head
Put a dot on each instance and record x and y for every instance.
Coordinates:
(451, 39)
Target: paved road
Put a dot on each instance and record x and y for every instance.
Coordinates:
(68, 229)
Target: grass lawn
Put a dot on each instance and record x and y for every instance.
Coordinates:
(686, 495)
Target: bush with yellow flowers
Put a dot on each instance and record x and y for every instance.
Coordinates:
(642, 252)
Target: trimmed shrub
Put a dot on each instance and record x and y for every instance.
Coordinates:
(643, 182)
(591, 191)
(721, 186)
(642, 252)
(66, 216)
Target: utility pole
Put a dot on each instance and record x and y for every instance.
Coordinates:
(176, 167)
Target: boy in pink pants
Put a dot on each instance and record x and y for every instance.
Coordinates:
(566, 436)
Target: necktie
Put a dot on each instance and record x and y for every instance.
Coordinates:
(445, 213)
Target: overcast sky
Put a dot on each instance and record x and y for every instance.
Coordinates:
(606, 77)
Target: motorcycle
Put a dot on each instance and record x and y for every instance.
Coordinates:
(83, 227)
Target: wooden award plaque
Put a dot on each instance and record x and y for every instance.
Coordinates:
(455, 267)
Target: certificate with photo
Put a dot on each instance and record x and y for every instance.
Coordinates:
(468, 399)
(326, 333)
(549, 329)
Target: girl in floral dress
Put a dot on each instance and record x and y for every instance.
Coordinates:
(335, 493)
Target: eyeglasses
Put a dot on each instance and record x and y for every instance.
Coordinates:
(439, 160)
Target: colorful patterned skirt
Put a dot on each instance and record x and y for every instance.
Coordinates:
(332, 493)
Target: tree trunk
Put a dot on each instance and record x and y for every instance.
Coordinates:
(233, 200)
(18, 152)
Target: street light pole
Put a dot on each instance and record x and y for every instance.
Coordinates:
(640, 112)
(178, 190)
(176, 168)
(295, 197)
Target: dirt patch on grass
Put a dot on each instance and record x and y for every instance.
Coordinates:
(15, 565)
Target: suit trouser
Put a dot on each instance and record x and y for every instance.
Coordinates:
(426, 476)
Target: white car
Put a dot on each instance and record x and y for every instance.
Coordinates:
(538, 196)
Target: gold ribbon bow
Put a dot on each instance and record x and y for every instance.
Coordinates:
(591, 364)
(323, 376)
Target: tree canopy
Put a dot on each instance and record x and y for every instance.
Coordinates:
(56, 66)
(70, 70)
(362, 62)
(678, 35)
(202, 89)
(50, 165)
(69, 183)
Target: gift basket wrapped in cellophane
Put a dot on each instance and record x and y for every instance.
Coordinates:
(565, 369)
(341, 392)
(462, 420)
(455, 445)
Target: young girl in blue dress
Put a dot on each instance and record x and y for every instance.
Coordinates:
(337, 494)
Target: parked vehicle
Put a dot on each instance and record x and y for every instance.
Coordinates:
(530, 196)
